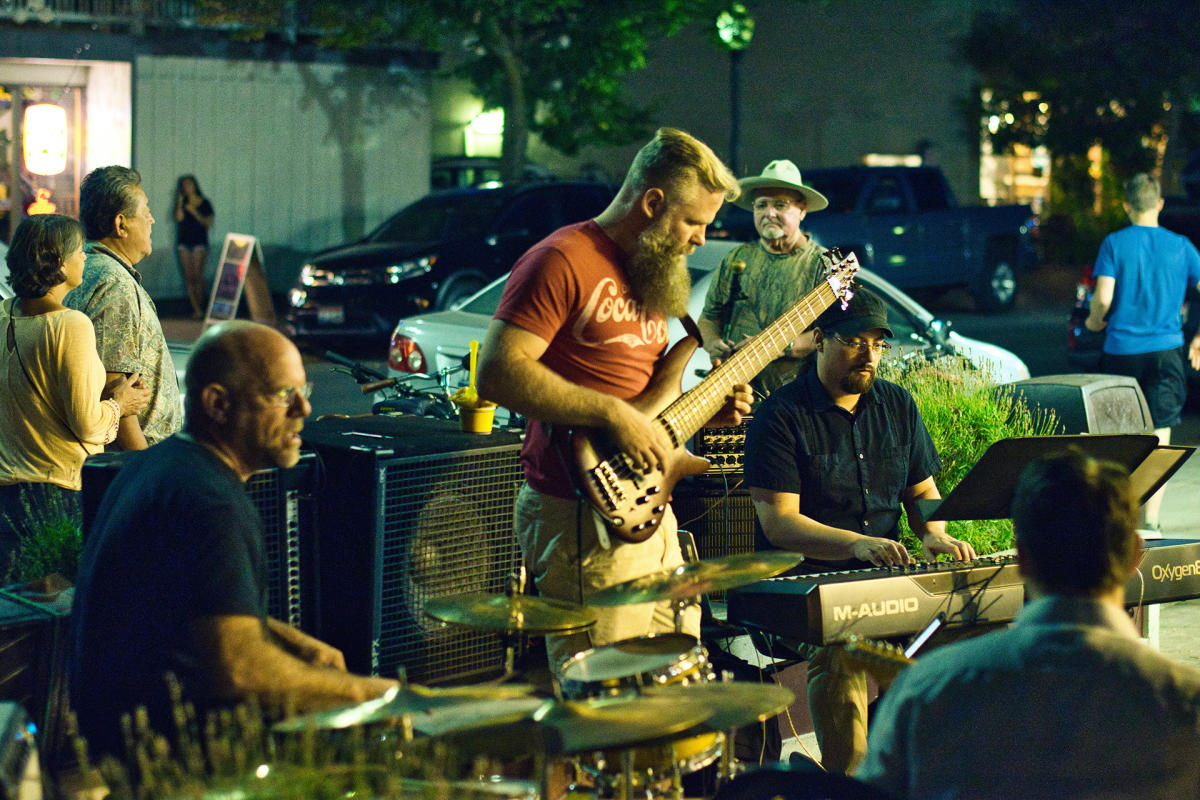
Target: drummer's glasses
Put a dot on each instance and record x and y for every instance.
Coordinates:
(876, 348)
(286, 397)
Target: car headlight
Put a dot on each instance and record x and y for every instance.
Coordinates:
(408, 269)
(313, 276)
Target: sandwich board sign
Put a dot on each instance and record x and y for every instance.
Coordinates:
(240, 253)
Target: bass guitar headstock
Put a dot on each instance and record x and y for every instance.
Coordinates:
(840, 271)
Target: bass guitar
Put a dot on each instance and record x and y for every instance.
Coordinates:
(632, 501)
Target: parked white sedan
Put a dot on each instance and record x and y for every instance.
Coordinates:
(439, 341)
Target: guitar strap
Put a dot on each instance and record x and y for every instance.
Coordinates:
(692, 329)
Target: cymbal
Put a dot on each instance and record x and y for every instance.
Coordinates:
(616, 722)
(701, 577)
(401, 700)
(518, 613)
(731, 704)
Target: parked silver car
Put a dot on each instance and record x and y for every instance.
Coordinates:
(438, 341)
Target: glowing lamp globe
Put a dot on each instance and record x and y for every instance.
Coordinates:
(45, 139)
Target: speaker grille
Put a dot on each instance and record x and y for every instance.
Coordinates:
(279, 498)
(723, 525)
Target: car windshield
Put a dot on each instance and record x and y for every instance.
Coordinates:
(487, 301)
(441, 216)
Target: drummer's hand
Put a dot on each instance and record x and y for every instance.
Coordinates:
(935, 543)
(308, 649)
(325, 655)
(881, 552)
(737, 404)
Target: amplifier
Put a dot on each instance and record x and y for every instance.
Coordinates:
(722, 522)
(413, 508)
(285, 503)
(724, 448)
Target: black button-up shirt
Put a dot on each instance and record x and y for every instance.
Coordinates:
(850, 470)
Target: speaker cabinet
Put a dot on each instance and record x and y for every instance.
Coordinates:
(285, 502)
(1088, 403)
(722, 524)
(413, 508)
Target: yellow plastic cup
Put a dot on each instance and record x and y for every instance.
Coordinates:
(478, 419)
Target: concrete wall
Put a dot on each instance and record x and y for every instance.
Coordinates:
(302, 155)
(822, 83)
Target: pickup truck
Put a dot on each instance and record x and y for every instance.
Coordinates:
(904, 223)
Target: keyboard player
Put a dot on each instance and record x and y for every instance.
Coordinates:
(831, 460)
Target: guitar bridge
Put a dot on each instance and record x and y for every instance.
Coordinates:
(608, 484)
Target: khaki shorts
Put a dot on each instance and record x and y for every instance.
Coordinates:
(553, 532)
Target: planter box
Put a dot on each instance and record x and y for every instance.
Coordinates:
(33, 659)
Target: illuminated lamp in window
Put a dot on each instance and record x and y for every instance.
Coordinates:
(45, 139)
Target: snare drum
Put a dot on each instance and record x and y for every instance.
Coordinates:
(626, 666)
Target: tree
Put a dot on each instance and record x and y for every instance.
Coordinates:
(1068, 74)
(554, 66)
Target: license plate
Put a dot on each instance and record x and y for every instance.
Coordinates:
(331, 315)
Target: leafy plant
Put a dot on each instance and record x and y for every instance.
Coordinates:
(49, 540)
(965, 412)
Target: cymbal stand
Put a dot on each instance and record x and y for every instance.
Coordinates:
(679, 608)
(514, 587)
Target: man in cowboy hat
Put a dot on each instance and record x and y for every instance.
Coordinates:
(772, 275)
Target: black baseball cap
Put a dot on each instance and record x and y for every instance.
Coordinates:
(864, 312)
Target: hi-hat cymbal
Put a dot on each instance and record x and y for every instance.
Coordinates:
(692, 580)
(518, 613)
(731, 704)
(617, 722)
(401, 700)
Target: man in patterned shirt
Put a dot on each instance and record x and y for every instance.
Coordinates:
(780, 268)
(117, 220)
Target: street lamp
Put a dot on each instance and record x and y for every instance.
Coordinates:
(735, 29)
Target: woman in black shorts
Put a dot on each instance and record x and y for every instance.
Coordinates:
(193, 218)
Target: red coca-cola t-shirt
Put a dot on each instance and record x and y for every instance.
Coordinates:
(570, 289)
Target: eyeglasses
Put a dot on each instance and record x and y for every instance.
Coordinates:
(762, 204)
(286, 397)
(876, 348)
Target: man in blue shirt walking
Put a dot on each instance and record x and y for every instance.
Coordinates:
(1142, 273)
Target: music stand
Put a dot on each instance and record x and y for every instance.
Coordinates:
(986, 491)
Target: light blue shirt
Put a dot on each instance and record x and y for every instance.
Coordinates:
(1065, 703)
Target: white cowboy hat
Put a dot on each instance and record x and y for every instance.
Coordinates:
(779, 174)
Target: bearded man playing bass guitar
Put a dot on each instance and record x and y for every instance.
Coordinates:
(579, 333)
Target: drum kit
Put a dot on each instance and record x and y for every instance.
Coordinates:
(630, 717)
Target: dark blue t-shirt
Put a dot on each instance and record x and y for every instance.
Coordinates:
(850, 470)
(175, 537)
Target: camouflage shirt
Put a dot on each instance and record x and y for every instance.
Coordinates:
(770, 285)
(129, 337)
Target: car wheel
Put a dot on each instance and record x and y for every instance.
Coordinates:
(458, 287)
(996, 288)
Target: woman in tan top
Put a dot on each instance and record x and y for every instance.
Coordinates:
(54, 407)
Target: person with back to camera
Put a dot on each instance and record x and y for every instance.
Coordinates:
(193, 217)
(56, 409)
(1142, 274)
(1066, 702)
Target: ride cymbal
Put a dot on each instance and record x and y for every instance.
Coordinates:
(692, 580)
(731, 704)
(401, 700)
(518, 613)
